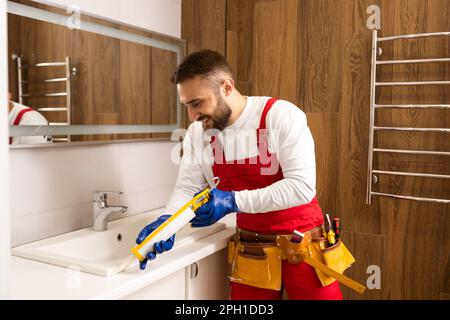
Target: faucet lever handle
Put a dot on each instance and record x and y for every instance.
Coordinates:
(103, 195)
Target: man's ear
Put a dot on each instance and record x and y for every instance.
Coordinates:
(228, 85)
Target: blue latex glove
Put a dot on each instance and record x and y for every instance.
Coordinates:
(160, 247)
(220, 204)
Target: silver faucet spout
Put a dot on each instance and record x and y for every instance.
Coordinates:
(101, 210)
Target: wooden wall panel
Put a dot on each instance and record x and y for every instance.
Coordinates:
(104, 59)
(163, 92)
(240, 21)
(444, 296)
(353, 142)
(203, 27)
(203, 24)
(324, 30)
(368, 250)
(14, 45)
(135, 86)
(333, 77)
(353, 124)
(417, 252)
(275, 51)
(324, 129)
(232, 50)
(265, 47)
(82, 88)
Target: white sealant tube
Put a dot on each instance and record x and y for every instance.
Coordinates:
(171, 225)
(167, 229)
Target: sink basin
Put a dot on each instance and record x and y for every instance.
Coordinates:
(104, 252)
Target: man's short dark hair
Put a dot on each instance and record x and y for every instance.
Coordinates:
(203, 63)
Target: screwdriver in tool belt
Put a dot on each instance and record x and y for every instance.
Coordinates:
(337, 228)
(330, 234)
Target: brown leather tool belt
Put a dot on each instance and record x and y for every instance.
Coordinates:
(249, 252)
(254, 243)
(249, 236)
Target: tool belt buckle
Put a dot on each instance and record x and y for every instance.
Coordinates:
(292, 251)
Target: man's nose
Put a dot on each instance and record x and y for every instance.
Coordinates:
(193, 114)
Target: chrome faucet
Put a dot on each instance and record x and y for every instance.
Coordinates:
(101, 210)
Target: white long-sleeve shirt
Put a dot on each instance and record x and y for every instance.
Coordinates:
(289, 139)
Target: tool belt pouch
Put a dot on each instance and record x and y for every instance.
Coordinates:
(255, 264)
(337, 257)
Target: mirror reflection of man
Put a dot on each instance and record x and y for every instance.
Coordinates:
(25, 116)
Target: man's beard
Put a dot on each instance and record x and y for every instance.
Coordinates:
(220, 117)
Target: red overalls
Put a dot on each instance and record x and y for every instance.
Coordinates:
(300, 280)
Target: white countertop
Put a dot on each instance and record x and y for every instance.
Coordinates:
(37, 280)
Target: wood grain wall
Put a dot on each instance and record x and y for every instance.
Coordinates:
(316, 53)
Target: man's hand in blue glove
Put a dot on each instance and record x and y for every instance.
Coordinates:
(161, 246)
(220, 204)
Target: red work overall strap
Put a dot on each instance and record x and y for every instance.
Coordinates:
(269, 104)
(261, 133)
(18, 119)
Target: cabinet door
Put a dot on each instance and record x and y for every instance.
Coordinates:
(171, 287)
(207, 279)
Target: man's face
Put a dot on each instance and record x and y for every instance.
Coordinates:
(204, 103)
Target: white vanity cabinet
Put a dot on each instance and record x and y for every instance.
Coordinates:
(207, 279)
(171, 287)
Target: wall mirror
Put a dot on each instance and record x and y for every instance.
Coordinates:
(89, 79)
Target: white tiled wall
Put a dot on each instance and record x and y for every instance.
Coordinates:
(51, 188)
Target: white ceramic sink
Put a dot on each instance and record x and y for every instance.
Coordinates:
(103, 252)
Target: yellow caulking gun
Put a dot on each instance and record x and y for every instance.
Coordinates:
(173, 224)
